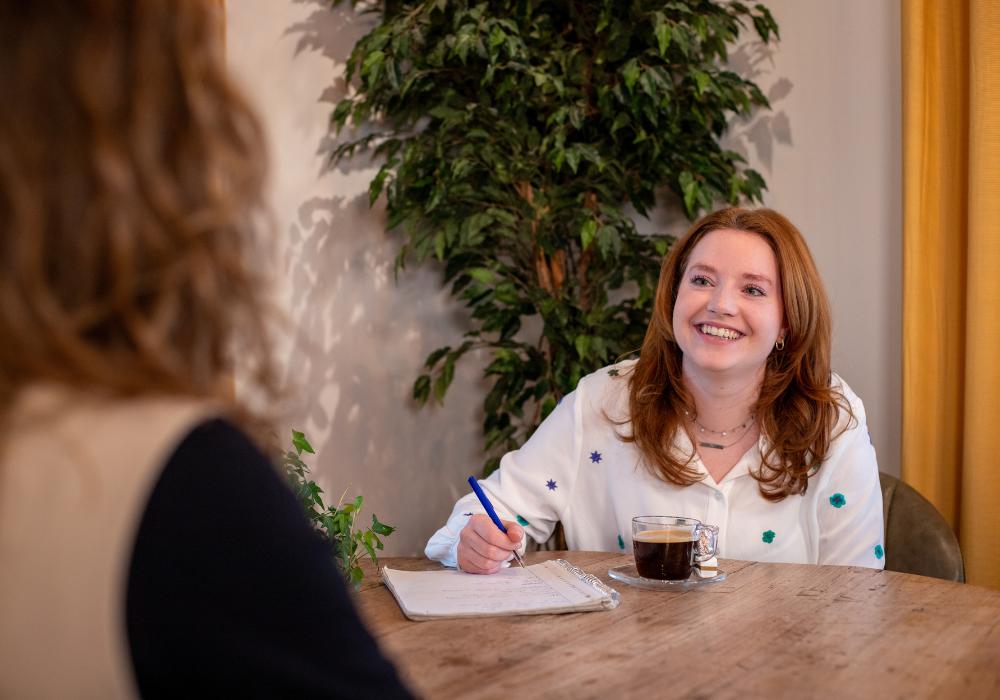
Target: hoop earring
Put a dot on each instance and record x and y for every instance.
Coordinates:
(780, 345)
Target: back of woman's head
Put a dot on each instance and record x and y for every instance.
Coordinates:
(797, 408)
(130, 180)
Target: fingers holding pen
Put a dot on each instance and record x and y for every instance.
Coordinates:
(492, 535)
(515, 533)
(488, 535)
(474, 554)
(482, 547)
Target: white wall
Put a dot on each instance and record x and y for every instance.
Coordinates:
(830, 152)
(834, 167)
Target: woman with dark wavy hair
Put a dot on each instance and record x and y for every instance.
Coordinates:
(731, 415)
(146, 544)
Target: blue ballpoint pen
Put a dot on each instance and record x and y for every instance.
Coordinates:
(492, 513)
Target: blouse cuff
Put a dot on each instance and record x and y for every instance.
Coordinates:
(443, 544)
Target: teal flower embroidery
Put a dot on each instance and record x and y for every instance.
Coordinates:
(879, 552)
(522, 522)
(612, 372)
(837, 500)
(768, 536)
(621, 542)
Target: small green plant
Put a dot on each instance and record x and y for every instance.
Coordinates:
(336, 523)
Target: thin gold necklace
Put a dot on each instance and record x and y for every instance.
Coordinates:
(743, 428)
(702, 429)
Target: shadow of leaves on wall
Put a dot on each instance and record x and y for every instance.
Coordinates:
(754, 61)
(359, 335)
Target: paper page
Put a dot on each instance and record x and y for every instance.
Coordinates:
(540, 587)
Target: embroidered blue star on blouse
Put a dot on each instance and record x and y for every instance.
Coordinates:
(550, 485)
(595, 456)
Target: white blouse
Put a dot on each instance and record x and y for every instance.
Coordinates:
(576, 470)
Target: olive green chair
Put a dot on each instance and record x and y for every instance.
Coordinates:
(918, 540)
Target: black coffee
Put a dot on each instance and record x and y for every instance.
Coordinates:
(667, 555)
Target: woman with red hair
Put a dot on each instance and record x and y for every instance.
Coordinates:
(730, 415)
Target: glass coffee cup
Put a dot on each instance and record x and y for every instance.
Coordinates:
(668, 548)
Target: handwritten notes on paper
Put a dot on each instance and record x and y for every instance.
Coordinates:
(550, 587)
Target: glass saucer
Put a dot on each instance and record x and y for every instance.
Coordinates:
(628, 574)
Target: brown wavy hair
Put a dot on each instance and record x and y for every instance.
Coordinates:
(131, 175)
(797, 408)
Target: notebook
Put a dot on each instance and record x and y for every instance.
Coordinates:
(554, 586)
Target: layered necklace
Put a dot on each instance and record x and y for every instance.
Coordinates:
(739, 432)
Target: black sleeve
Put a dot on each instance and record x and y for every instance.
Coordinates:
(231, 591)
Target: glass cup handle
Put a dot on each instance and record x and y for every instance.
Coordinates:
(708, 542)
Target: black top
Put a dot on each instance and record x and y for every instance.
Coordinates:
(230, 590)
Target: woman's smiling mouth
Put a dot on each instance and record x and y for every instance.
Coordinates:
(719, 331)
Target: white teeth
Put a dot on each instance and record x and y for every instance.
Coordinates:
(720, 332)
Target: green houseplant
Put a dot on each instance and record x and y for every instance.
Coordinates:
(348, 545)
(512, 135)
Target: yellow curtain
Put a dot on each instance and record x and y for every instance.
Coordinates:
(951, 268)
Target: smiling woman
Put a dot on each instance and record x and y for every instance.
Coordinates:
(731, 415)
(727, 319)
(728, 311)
(749, 273)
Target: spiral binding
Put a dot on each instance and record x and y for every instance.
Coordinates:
(591, 580)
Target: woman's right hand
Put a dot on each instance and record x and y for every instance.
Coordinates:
(482, 548)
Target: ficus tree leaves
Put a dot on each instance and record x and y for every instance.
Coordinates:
(512, 137)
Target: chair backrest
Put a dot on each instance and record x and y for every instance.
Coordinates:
(918, 540)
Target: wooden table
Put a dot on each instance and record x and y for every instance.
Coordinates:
(787, 630)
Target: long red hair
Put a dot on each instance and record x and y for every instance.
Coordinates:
(797, 408)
